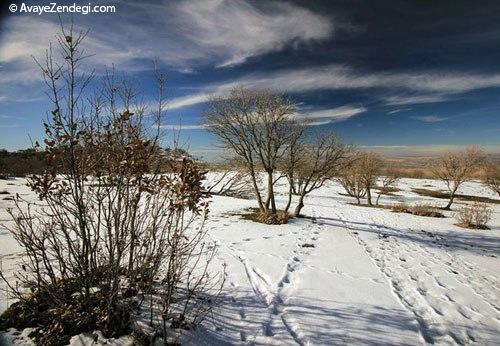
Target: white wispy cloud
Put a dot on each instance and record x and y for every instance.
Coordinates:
(332, 77)
(420, 87)
(235, 30)
(189, 100)
(183, 127)
(187, 34)
(429, 118)
(178, 33)
(398, 110)
(400, 100)
(313, 117)
(325, 116)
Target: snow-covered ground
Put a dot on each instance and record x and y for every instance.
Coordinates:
(366, 276)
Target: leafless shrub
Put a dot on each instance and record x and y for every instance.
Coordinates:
(454, 168)
(476, 216)
(111, 224)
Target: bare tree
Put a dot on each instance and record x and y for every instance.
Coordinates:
(370, 165)
(316, 161)
(390, 178)
(351, 179)
(492, 178)
(359, 177)
(256, 126)
(292, 161)
(455, 168)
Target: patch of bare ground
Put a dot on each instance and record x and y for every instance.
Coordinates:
(446, 195)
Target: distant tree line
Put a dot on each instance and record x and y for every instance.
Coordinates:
(25, 162)
(21, 163)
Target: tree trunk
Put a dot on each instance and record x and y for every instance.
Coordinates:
(378, 198)
(452, 197)
(358, 201)
(256, 190)
(369, 196)
(299, 206)
(450, 202)
(290, 192)
(270, 191)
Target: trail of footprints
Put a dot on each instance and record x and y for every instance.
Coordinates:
(274, 297)
(437, 291)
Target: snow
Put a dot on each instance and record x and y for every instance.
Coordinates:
(368, 277)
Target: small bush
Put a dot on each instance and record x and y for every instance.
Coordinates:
(281, 217)
(475, 216)
(425, 210)
(418, 210)
(400, 208)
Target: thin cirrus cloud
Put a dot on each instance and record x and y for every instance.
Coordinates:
(326, 116)
(401, 100)
(309, 117)
(179, 127)
(181, 34)
(429, 118)
(235, 30)
(408, 87)
(221, 33)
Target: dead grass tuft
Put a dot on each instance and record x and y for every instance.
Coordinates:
(418, 210)
(281, 217)
(425, 210)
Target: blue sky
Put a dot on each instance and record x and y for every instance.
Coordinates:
(392, 75)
